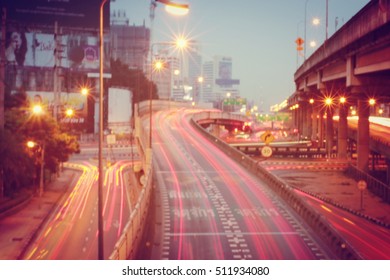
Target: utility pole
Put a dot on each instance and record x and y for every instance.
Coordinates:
(2, 87)
(57, 70)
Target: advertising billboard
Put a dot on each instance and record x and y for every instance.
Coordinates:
(77, 52)
(73, 100)
(68, 13)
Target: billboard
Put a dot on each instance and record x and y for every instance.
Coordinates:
(75, 101)
(77, 52)
(119, 110)
(67, 13)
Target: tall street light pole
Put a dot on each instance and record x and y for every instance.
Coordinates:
(100, 180)
(177, 9)
(180, 43)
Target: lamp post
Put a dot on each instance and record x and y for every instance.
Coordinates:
(180, 43)
(100, 148)
(173, 8)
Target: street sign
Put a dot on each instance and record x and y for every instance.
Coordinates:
(111, 139)
(267, 137)
(362, 185)
(299, 41)
(266, 151)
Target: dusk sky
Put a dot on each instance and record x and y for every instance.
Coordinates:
(259, 35)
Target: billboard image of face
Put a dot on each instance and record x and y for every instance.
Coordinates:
(16, 47)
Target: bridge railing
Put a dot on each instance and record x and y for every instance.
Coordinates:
(374, 185)
(294, 152)
(370, 18)
(319, 224)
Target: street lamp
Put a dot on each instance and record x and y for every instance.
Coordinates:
(180, 43)
(100, 147)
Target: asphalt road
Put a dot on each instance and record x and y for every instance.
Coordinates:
(212, 208)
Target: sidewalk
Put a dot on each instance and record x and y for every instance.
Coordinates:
(327, 181)
(18, 229)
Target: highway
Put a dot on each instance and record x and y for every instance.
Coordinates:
(212, 208)
(70, 233)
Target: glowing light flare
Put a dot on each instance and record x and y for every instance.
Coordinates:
(84, 91)
(372, 101)
(311, 101)
(316, 21)
(343, 99)
(69, 112)
(158, 65)
(177, 10)
(37, 109)
(31, 144)
(181, 43)
(328, 101)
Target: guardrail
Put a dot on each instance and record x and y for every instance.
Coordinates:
(320, 225)
(127, 245)
(294, 152)
(374, 185)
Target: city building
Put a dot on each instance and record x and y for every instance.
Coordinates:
(129, 43)
(218, 83)
(50, 52)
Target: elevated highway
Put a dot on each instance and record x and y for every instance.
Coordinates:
(348, 73)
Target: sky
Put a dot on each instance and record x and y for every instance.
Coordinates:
(259, 36)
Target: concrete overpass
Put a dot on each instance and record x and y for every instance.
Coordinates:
(349, 69)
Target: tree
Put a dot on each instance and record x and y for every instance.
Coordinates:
(134, 79)
(20, 164)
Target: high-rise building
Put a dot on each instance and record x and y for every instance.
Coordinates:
(217, 80)
(129, 44)
(193, 60)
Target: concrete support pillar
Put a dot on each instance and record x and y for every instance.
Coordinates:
(388, 170)
(314, 130)
(321, 127)
(342, 132)
(329, 131)
(299, 120)
(215, 130)
(304, 119)
(309, 121)
(363, 136)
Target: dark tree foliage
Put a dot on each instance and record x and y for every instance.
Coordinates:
(133, 79)
(20, 164)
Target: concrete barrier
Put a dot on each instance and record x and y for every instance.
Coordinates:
(318, 223)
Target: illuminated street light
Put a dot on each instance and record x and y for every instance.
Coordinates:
(343, 100)
(158, 65)
(69, 112)
(372, 101)
(311, 101)
(175, 10)
(84, 91)
(179, 43)
(328, 101)
(37, 109)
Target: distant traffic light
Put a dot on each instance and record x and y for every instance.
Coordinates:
(299, 41)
